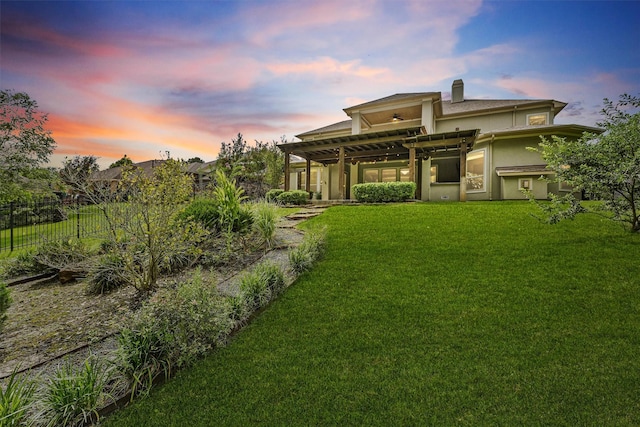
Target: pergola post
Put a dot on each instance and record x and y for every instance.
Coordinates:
(463, 171)
(412, 165)
(308, 176)
(287, 176)
(341, 172)
(419, 181)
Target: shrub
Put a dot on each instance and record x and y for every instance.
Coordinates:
(294, 197)
(72, 395)
(5, 302)
(228, 197)
(272, 195)
(203, 211)
(261, 285)
(307, 253)
(16, 399)
(62, 253)
(107, 274)
(21, 264)
(264, 222)
(377, 192)
(173, 329)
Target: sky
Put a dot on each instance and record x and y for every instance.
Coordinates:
(147, 78)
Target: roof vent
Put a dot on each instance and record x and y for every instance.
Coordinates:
(457, 91)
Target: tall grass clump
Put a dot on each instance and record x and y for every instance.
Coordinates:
(5, 302)
(16, 399)
(308, 252)
(264, 223)
(107, 274)
(260, 286)
(74, 395)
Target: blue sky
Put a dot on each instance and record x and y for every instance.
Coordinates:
(147, 77)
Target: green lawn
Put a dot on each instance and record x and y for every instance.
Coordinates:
(433, 314)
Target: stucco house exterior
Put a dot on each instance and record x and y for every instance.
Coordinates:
(457, 149)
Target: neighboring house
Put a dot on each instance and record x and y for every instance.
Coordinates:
(458, 149)
(200, 172)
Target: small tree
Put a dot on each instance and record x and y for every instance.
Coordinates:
(77, 170)
(25, 144)
(604, 166)
(124, 161)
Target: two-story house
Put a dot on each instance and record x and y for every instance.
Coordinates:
(458, 149)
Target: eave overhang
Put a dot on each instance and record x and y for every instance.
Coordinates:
(537, 131)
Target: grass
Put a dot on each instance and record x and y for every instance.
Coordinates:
(433, 314)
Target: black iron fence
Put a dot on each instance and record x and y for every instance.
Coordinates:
(31, 223)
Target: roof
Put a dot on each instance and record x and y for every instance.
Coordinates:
(473, 105)
(392, 98)
(523, 170)
(343, 125)
(545, 130)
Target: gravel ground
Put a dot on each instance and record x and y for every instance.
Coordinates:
(49, 323)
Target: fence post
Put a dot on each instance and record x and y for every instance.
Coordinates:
(11, 207)
(78, 215)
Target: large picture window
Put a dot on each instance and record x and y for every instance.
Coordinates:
(475, 171)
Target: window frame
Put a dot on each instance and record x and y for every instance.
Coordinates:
(528, 179)
(483, 189)
(545, 115)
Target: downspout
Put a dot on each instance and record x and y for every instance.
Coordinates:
(491, 167)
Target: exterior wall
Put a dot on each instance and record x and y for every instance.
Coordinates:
(492, 121)
(510, 187)
(445, 192)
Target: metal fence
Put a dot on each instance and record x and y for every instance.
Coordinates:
(24, 224)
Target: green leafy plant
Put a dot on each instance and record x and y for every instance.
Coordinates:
(229, 197)
(293, 197)
(308, 252)
(272, 195)
(204, 211)
(382, 192)
(264, 223)
(261, 285)
(5, 302)
(16, 400)
(74, 395)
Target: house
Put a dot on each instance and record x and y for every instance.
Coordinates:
(200, 173)
(457, 149)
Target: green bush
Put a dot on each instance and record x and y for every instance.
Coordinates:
(73, 396)
(294, 197)
(21, 264)
(272, 195)
(308, 252)
(378, 192)
(204, 211)
(5, 302)
(261, 285)
(16, 398)
(264, 222)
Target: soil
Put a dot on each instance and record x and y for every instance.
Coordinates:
(49, 322)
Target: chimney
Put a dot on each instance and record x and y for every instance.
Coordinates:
(457, 91)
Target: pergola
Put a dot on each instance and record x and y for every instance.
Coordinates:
(399, 144)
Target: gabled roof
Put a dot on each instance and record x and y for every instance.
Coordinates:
(343, 125)
(392, 98)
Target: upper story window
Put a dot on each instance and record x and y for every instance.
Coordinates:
(537, 119)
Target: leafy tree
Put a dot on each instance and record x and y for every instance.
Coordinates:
(604, 166)
(230, 155)
(195, 160)
(77, 170)
(124, 161)
(25, 144)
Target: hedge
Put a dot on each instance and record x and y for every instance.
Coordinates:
(294, 197)
(272, 195)
(377, 192)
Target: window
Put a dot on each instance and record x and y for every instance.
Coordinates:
(434, 173)
(404, 175)
(371, 175)
(525, 184)
(475, 171)
(537, 119)
(389, 175)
